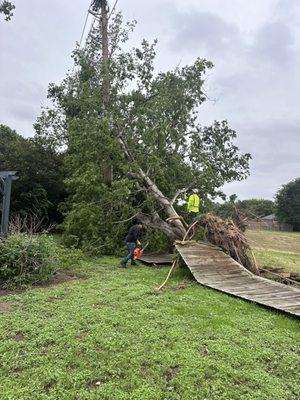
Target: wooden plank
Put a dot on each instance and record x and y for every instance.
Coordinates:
(259, 293)
(238, 281)
(280, 295)
(213, 268)
(283, 304)
(214, 271)
(297, 308)
(261, 287)
(273, 298)
(157, 258)
(210, 263)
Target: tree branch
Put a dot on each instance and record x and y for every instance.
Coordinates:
(126, 220)
(178, 193)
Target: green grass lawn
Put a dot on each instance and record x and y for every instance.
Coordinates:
(276, 249)
(111, 336)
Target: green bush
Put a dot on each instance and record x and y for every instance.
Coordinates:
(158, 242)
(26, 258)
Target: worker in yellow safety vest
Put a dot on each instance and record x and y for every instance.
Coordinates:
(193, 204)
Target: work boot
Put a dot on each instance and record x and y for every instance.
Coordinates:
(122, 264)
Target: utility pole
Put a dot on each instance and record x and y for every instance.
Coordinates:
(105, 51)
(104, 28)
(101, 7)
(108, 168)
(6, 178)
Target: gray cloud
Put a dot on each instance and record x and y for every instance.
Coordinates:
(30, 91)
(274, 43)
(203, 30)
(275, 150)
(23, 111)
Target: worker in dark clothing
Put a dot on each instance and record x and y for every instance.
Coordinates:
(132, 240)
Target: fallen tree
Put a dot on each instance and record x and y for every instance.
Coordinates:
(148, 132)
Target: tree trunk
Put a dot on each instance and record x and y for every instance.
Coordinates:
(175, 223)
(154, 221)
(173, 226)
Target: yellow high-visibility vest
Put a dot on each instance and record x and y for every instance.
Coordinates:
(193, 203)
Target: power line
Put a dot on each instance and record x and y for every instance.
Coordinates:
(85, 23)
(91, 28)
(83, 30)
(112, 10)
(93, 22)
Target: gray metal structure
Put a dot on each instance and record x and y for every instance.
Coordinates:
(6, 179)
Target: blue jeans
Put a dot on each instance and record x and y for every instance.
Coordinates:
(131, 247)
(193, 215)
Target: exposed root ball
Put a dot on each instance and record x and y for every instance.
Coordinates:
(225, 234)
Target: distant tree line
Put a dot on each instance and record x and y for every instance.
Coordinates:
(40, 188)
(253, 208)
(286, 206)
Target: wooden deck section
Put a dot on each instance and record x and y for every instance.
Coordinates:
(158, 259)
(213, 268)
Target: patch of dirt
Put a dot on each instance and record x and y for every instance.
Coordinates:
(210, 373)
(56, 298)
(5, 292)
(48, 386)
(94, 384)
(57, 279)
(174, 288)
(205, 352)
(7, 307)
(171, 373)
(82, 335)
(19, 337)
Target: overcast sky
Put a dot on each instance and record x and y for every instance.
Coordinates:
(255, 85)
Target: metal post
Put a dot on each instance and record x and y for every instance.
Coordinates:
(7, 177)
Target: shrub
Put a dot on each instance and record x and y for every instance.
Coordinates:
(158, 242)
(26, 258)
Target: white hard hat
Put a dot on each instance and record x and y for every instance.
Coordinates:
(195, 190)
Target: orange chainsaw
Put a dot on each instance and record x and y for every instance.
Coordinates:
(138, 252)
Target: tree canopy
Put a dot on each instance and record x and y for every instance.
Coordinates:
(119, 115)
(40, 187)
(288, 204)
